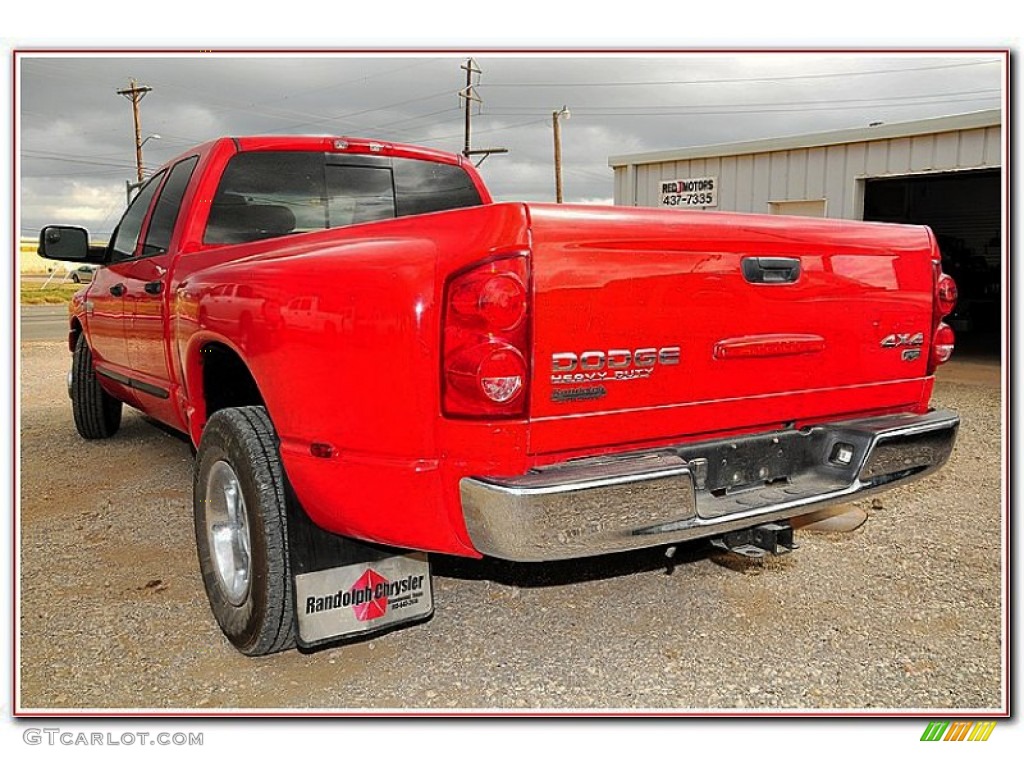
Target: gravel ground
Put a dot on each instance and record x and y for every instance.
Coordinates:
(902, 613)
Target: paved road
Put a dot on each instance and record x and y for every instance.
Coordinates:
(48, 322)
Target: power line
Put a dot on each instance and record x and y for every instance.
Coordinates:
(252, 107)
(364, 111)
(868, 101)
(685, 112)
(485, 130)
(391, 124)
(316, 119)
(98, 175)
(51, 153)
(767, 111)
(66, 159)
(594, 174)
(739, 110)
(720, 81)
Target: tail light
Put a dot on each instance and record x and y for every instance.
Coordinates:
(942, 345)
(485, 368)
(945, 295)
(943, 338)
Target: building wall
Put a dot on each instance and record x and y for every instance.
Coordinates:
(752, 182)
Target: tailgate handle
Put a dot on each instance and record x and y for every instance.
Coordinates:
(772, 269)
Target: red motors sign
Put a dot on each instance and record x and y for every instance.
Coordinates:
(690, 193)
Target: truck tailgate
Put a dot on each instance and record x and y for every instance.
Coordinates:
(652, 325)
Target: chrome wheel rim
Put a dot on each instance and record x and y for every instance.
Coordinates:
(227, 532)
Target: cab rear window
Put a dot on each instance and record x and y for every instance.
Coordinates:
(269, 194)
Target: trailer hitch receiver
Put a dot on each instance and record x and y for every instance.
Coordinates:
(768, 539)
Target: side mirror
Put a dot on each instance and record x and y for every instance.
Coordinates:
(66, 244)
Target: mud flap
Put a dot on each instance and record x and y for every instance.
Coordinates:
(347, 589)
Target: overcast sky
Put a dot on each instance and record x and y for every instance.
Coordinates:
(77, 146)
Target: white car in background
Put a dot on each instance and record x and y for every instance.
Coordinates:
(83, 273)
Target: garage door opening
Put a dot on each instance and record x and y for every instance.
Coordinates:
(963, 209)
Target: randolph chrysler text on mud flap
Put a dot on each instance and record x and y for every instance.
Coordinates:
(395, 591)
(376, 361)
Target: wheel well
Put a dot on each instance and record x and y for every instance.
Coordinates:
(74, 333)
(227, 382)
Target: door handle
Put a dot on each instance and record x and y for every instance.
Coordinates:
(771, 269)
(155, 287)
(117, 290)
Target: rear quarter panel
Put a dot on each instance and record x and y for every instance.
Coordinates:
(341, 330)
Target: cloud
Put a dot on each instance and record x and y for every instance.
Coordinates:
(77, 146)
(58, 201)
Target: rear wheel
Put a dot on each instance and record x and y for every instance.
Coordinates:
(97, 414)
(240, 505)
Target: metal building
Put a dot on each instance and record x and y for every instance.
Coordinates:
(944, 172)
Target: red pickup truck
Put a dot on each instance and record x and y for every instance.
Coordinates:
(375, 361)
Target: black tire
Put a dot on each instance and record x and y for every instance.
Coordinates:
(97, 414)
(261, 621)
(75, 278)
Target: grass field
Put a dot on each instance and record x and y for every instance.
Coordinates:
(32, 292)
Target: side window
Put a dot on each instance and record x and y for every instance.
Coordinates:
(165, 213)
(356, 194)
(126, 236)
(267, 194)
(422, 186)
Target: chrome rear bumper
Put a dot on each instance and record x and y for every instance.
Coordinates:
(629, 501)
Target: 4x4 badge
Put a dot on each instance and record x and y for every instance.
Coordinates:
(894, 340)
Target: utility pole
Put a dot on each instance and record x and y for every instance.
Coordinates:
(468, 96)
(555, 116)
(136, 93)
